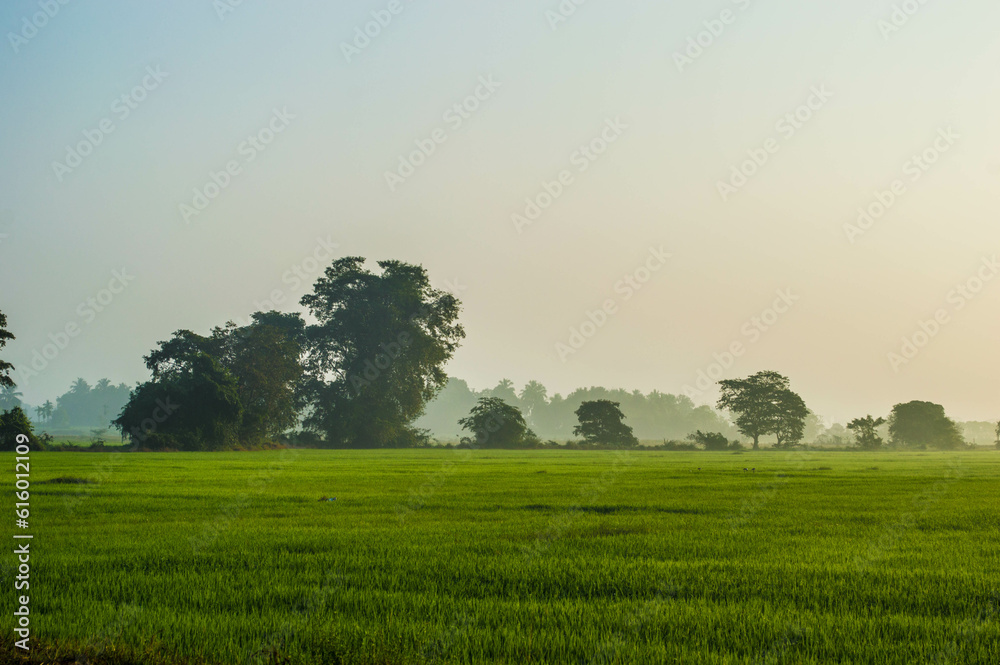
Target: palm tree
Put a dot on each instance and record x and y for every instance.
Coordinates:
(80, 386)
(534, 398)
(505, 391)
(45, 410)
(10, 398)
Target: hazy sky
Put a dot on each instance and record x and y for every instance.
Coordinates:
(312, 128)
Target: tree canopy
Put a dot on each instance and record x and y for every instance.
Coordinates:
(866, 432)
(250, 373)
(923, 424)
(765, 404)
(193, 407)
(602, 421)
(497, 424)
(376, 355)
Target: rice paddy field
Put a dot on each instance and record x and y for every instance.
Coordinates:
(457, 556)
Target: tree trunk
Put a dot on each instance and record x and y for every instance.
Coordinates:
(756, 441)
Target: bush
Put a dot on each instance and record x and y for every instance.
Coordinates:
(14, 423)
(710, 440)
(675, 445)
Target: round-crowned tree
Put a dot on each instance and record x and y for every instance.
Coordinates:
(376, 355)
(602, 421)
(923, 424)
(497, 424)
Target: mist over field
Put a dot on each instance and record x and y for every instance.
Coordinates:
(552, 332)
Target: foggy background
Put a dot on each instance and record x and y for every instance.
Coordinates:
(225, 70)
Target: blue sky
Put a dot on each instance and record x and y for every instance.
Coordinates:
(322, 180)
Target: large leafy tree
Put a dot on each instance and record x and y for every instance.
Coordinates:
(866, 432)
(262, 359)
(377, 352)
(497, 424)
(790, 419)
(764, 404)
(5, 367)
(195, 406)
(919, 423)
(602, 421)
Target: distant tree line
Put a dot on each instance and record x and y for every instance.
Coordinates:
(653, 416)
(368, 372)
(496, 424)
(84, 405)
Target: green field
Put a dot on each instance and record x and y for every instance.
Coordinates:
(517, 557)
